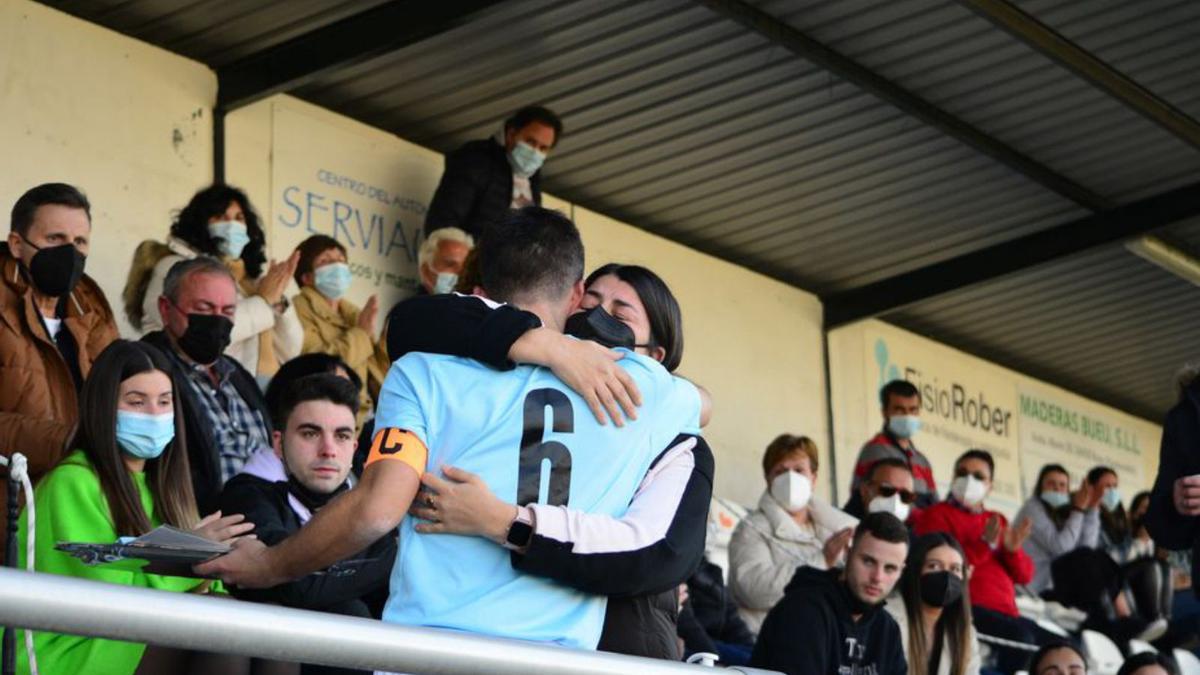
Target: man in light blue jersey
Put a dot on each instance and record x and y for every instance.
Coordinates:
(523, 431)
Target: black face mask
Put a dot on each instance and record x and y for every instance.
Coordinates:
(940, 589)
(55, 270)
(206, 337)
(313, 501)
(597, 325)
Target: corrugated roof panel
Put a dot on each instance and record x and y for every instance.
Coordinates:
(1106, 323)
(216, 33)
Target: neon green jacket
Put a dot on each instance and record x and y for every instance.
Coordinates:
(72, 507)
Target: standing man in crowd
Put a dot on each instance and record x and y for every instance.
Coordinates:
(54, 321)
(901, 421)
(281, 487)
(486, 178)
(1173, 518)
(510, 425)
(832, 621)
(225, 414)
(441, 258)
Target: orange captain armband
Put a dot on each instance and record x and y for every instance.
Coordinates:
(401, 445)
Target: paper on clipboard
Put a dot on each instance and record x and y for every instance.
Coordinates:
(166, 550)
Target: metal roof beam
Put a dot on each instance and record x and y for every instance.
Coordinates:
(355, 39)
(1053, 45)
(1099, 229)
(809, 49)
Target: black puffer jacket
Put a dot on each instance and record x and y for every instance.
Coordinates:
(476, 188)
(1177, 458)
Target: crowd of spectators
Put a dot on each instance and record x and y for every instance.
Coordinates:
(476, 431)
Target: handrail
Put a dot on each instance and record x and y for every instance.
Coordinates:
(83, 607)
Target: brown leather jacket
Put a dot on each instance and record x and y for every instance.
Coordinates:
(39, 407)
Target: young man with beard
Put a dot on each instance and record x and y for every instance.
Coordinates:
(832, 621)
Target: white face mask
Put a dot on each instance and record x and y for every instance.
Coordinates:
(969, 490)
(891, 505)
(792, 490)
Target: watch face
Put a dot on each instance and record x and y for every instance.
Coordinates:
(519, 534)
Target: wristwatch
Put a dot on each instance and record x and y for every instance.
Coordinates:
(520, 532)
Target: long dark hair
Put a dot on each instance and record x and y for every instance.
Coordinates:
(953, 628)
(1115, 523)
(168, 475)
(191, 225)
(662, 309)
(1057, 515)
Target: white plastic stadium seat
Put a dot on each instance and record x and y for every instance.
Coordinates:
(1139, 646)
(1188, 663)
(1104, 656)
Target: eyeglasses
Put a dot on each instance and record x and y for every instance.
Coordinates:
(906, 496)
(979, 475)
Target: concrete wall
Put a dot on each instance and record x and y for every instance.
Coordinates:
(128, 123)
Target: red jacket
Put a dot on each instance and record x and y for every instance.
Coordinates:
(995, 570)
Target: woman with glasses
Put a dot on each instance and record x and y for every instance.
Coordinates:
(1061, 521)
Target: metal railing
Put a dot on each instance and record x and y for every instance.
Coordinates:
(82, 607)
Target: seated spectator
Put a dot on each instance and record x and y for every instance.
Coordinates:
(888, 487)
(932, 607)
(332, 324)
(220, 222)
(1062, 521)
(901, 421)
(993, 550)
(54, 322)
(1149, 663)
(281, 487)
(789, 529)
(1115, 537)
(1058, 658)
(441, 259)
(832, 621)
(486, 178)
(124, 478)
(314, 364)
(656, 544)
(226, 415)
(710, 622)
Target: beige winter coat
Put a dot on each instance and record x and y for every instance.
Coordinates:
(768, 546)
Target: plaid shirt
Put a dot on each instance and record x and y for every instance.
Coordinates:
(238, 429)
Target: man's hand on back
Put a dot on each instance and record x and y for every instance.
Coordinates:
(1187, 495)
(588, 368)
(246, 566)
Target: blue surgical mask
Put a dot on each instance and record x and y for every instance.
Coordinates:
(525, 160)
(233, 237)
(904, 426)
(1056, 500)
(144, 436)
(333, 280)
(1111, 499)
(446, 281)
